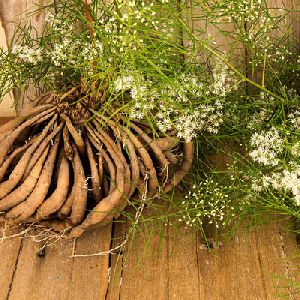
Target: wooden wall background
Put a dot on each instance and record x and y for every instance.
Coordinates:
(7, 105)
(169, 263)
(13, 12)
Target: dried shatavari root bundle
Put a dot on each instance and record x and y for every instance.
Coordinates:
(69, 167)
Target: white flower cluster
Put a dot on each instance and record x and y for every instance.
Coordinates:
(295, 149)
(267, 146)
(27, 54)
(207, 201)
(294, 119)
(140, 91)
(59, 54)
(287, 181)
(205, 118)
(163, 104)
(222, 83)
(124, 83)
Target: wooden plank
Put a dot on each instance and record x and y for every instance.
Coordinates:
(42, 277)
(232, 272)
(116, 260)
(57, 275)
(183, 263)
(277, 243)
(90, 274)
(217, 33)
(9, 253)
(145, 267)
(295, 21)
(270, 249)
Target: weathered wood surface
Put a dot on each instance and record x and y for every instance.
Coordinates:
(7, 108)
(172, 264)
(169, 263)
(12, 14)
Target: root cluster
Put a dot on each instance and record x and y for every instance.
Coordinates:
(70, 167)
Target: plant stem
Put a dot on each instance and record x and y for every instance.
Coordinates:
(229, 65)
(90, 22)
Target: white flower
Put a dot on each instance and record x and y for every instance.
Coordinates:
(287, 181)
(256, 187)
(124, 83)
(294, 119)
(267, 145)
(295, 150)
(27, 54)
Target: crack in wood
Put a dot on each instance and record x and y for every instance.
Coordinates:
(197, 241)
(114, 259)
(14, 271)
(263, 280)
(287, 274)
(110, 259)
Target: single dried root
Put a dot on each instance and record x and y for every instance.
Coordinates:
(10, 159)
(56, 200)
(80, 194)
(13, 124)
(96, 184)
(67, 144)
(10, 137)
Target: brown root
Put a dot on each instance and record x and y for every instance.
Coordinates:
(56, 200)
(166, 143)
(7, 186)
(13, 124)
(41, 148)
(9, 138)
(12, 156)
(172, 158)
(24, 190)
(186, 166)
(135, 170)
(27, 208)
(111, 161)
(74, 133)
(147, 161)
(161, 159)
(107, 205)
(67, 144)
(81, 192)
(66, 209)
(96, 184)
(112, 147)
(110, 165)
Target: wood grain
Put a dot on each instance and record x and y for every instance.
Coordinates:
(116, 260)
(57, 275)
(183, 264)
(9, 255)
(7, 108)
(12, 14)
(145, 266)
